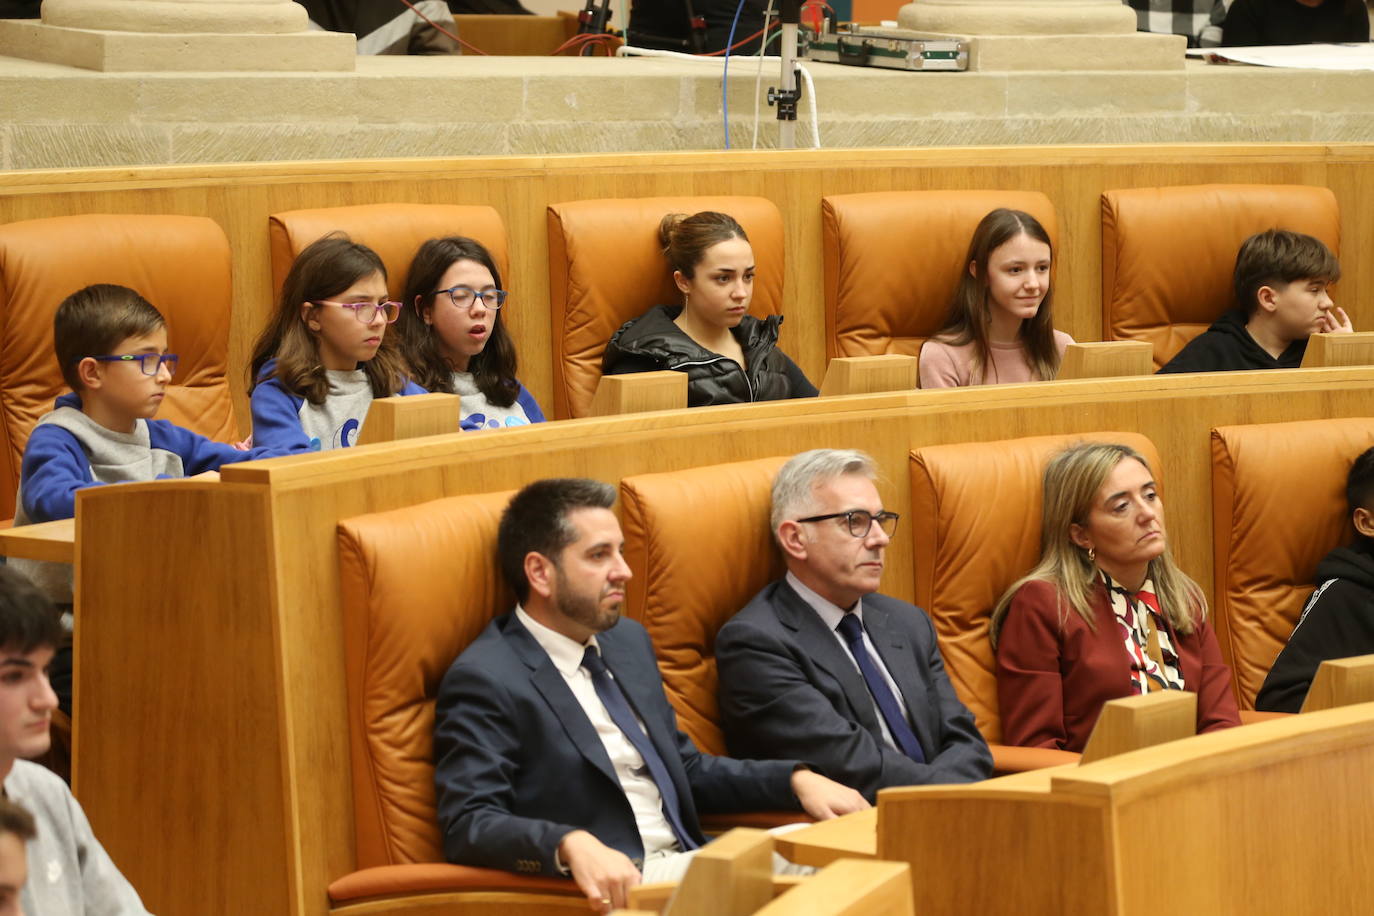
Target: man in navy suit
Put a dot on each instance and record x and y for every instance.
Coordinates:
(556, 751)
(821, 668)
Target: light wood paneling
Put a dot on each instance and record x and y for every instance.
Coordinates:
(240, 197)
(225, 676)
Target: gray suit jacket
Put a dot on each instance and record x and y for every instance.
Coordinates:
(789, 689)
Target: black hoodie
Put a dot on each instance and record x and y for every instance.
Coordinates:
(1226, 345)
(1337, 622)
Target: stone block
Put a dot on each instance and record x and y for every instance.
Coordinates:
(560, 98)
(146, 52)
(303, 141)
(580, 137)
(62, 146)
(63, 95)
(1076, 94)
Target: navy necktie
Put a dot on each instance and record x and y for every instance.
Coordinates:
(852, 629)
(614, 700)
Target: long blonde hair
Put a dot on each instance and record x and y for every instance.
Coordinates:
(1072, 481)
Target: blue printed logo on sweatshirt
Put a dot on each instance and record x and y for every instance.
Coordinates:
(347, 434)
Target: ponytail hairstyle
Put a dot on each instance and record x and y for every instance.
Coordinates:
(494, 369)
(685, 239)
(326, 268)
(970, 314)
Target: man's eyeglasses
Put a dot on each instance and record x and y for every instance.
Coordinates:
(148, 363)
(366, 312)
(861, 521)
(465, 296)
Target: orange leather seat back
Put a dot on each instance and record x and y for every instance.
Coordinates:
(178, 263)
(394, 231)
(418, 584)
(1278, 507)
(1169, 254)
(975, 511)
(894, 258)
(606, 267)
(699, 545)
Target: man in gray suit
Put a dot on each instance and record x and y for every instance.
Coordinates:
(819, 667)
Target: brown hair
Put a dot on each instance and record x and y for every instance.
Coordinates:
(16, 820)
(685, 239)
(970, 314)
(493, 370)
(1280, 257)
(93, 321)
(325, 268)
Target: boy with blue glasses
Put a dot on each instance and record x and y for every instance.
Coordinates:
(111, 345)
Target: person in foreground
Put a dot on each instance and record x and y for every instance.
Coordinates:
(556, 751)
(1106, 613)
(1000, 327)
(1294, 22)
(16, 830)
(1338, 620)
(1281, 299)
(821, 667)
(730, 356)
(69, 871)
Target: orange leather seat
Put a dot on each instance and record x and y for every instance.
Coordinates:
(699, 545)
(1169, 254)
(1278, 507)
(894, 258)
(178, 263)
(606, 267)
(976, 511)
(394, 231)
(418, 585)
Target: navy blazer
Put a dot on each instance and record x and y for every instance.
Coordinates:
(518, 764)
(789, 689)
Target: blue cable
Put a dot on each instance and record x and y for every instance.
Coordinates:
(725, 75)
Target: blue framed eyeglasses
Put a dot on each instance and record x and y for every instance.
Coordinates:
(148, 363)
(465, 296)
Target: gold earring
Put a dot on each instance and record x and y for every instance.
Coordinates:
(1092, 555)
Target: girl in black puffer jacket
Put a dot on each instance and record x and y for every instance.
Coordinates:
(730, 356)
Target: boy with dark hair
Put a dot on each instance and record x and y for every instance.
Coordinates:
(71, 872)
(1338, 620)
(111, 345)
(1280, 281)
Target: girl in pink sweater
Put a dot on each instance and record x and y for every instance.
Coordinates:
(999, 328)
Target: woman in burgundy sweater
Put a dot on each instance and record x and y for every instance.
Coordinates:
(1106, 613)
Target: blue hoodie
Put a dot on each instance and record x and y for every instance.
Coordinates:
(288, 422)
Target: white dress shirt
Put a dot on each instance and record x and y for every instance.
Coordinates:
(640, 789)
(831, 615)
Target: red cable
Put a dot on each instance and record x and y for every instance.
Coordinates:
(445, 31)
(577, 42)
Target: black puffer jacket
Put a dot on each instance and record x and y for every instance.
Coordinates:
(653, 342)
(1337, 622)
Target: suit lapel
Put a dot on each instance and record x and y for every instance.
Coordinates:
(899, 657)
(549, 682)
(826, 653)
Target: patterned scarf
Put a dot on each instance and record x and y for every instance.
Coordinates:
(1154, 661)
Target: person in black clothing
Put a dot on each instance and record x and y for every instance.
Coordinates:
(1280, 280)
(730, 356)
(668, 25)
(1294, 22)
(20, 9)
(1338, 620)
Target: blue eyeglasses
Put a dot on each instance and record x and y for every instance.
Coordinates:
(465, 296)
(149, 363)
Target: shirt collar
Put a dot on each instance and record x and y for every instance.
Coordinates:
(829, 613)
(566, 654)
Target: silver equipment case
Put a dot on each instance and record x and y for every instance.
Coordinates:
(887, 48)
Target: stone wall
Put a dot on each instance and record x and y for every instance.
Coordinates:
(58, 117)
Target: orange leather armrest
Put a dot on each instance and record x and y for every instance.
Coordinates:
(1251, 716)
(429, 878)
(760, 820)
(1007, 758)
